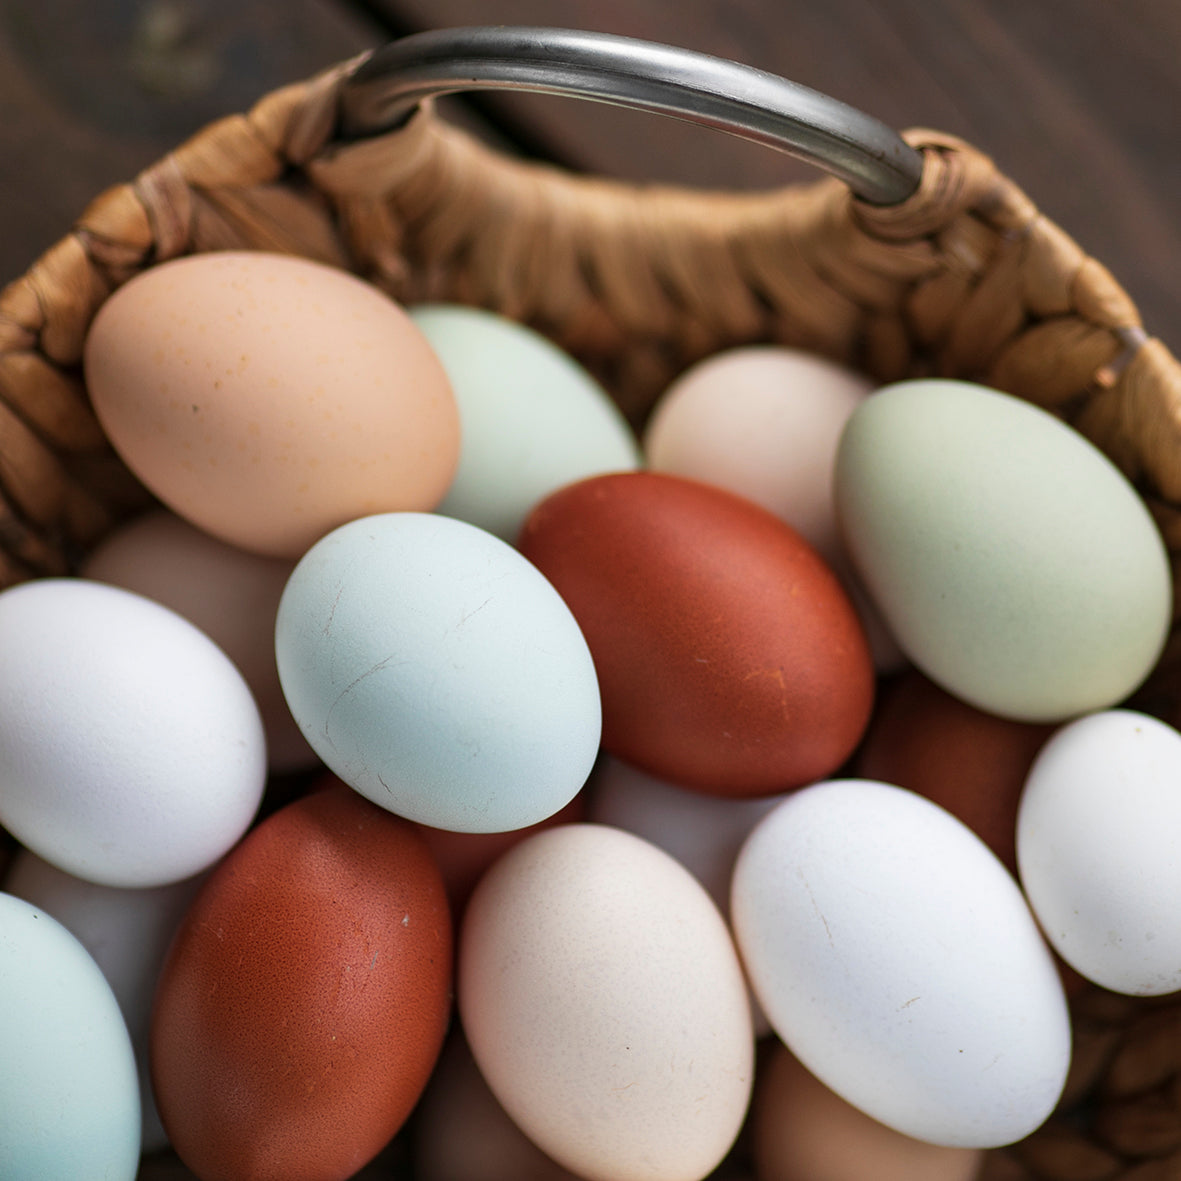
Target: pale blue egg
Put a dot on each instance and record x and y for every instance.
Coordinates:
(531, 417)
(69, 1096)
(438, 673)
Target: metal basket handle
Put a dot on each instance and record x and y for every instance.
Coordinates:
(875, 162)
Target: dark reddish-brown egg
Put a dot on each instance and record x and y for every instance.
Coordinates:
(729, 657)
(969, 762)
(304, 1001)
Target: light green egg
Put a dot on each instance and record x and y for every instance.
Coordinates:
(1015, 564)
(531, 417)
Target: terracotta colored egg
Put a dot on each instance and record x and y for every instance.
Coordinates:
(972, 763)
(304, 1001)
(729, 657)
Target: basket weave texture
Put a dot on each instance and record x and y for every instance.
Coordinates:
(965, 279)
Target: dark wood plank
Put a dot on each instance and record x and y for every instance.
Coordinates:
(1076, 100)
(91, 93)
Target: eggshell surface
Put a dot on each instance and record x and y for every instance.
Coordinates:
(131, 750)
(764, 422)
(604, 1005)
(729, 657)
(436, 672)
(972, 763)
(1014, 563)
(898, 960)
(531, 418)
(304, 1001)
(69, 1099)
(802, 1131)
(1097, 849)
(127, 933)
(230, 594)
(268, 398)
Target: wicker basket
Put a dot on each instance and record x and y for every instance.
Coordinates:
(965, 278)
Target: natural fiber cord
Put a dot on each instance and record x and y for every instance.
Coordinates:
(964, 279)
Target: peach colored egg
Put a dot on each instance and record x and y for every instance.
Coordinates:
(268, 399)
(305, 998)
(802, 1131)
(729, 656)
(230, 594)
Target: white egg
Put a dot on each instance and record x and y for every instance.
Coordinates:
(1097, 849)
(69, 1098)
(127, 932)
(438, 673)
(531, 418)
(897, 958)
(131, 750)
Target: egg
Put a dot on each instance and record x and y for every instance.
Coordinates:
(131, 750)
(490, 1148)
(1097, 849)
(605, 1006)
(1015, 564)
(972, 763)
(729, 657)
(898, 960)
(267, 398)
(764, 421)
(802, 1131)
(304, 1001)
(127, 933)
(438, 673)
(703, 832)
(69, 1098)
(531, 417)
(230, 594)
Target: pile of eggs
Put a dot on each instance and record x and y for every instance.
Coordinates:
(801, 727)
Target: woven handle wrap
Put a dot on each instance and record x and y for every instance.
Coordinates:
(963, 278)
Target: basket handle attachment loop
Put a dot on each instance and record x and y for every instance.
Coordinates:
(873, 160)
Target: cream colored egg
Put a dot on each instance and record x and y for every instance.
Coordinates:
(604, 1004)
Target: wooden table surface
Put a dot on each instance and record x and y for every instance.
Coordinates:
(1076, 99)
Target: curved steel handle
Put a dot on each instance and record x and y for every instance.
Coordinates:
(876, 163)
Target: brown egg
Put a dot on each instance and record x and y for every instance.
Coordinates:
(729, 657)
(969, 762)
(802, 1131)
(304, 1001)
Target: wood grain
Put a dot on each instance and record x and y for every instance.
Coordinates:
(91, 93)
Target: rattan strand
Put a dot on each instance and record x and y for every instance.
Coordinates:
(965, 279)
